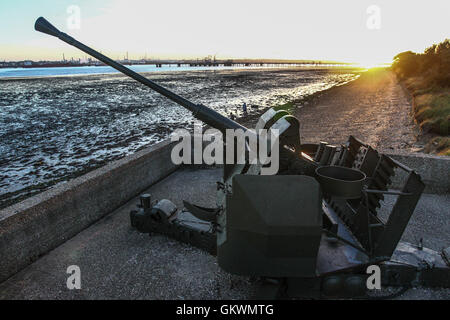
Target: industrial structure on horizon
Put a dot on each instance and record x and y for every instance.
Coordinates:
(204, 62)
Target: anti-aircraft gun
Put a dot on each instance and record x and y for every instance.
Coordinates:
(312, 229)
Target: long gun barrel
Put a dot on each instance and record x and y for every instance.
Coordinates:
(201, 112)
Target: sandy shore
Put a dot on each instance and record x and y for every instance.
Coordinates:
(373, 108)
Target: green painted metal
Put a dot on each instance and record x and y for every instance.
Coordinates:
(274, 226)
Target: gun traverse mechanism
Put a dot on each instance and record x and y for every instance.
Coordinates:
(313, 228)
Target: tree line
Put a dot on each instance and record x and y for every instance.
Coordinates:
(433, 65)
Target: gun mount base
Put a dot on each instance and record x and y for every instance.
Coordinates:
(353, 237)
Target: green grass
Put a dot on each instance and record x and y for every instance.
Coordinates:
(289, 107)
(440, 145)
(432, 111)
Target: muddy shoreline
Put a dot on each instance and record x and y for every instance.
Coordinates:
(57, 128)
(373, 108)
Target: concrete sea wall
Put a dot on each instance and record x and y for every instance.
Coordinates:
(38, 224)
(434, 170)
(35, 226)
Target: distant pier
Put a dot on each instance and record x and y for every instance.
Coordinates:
(178, 63)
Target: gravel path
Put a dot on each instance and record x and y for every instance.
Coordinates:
(373, 108)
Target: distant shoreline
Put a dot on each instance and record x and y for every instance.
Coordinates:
(151, 69)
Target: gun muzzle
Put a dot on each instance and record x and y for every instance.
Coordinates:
(42, 25)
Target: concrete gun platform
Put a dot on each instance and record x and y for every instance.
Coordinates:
(117, 262)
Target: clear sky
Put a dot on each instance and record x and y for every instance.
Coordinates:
(346, 30)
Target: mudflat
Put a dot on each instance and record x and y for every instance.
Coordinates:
(53, 129)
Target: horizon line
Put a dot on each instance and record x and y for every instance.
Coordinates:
(237, 60)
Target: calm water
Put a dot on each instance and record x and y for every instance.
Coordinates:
(65, 71)
(52, 128)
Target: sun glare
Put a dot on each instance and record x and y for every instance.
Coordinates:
(373, 64)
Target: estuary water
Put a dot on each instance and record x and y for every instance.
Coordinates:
(54, 128)
(89, 70)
